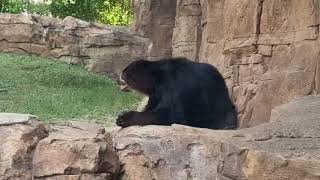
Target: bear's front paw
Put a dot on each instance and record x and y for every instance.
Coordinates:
(123, 119)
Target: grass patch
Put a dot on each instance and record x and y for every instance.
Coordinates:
(57, 92)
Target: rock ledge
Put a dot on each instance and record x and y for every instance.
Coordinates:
(288, 148)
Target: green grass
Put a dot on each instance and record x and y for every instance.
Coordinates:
(56, 91)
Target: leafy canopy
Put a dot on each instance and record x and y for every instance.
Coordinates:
(114, 12)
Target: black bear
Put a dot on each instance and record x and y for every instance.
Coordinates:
(180, 92)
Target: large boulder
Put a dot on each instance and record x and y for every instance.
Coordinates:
(286, 148)
(74, 150)
(19, 134)
(77, 150)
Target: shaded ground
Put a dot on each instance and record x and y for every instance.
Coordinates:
(56, 91)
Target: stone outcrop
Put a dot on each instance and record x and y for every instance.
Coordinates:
(101, 48)
(286, 148)
(77, 150)
(20, 135)
(268, 51)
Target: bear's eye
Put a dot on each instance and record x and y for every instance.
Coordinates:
(133, 80)
(128, 79)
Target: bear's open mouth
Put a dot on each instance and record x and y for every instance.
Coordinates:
(125, 88)
(123, 85)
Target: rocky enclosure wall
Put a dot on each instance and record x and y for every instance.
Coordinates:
(102, 49)
(267, 50)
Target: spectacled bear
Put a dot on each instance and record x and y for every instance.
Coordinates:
(180, 91)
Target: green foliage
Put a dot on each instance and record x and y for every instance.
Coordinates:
(39, 8)
(87, 10)
(11, 6)
(19, 6)
(57, 91)
(116, 12)
(113, 12)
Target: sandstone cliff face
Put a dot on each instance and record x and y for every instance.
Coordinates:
(268, 51)
(155, 19)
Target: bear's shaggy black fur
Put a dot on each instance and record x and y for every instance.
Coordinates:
(180, 91)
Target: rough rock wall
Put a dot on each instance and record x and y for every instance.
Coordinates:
(187, 31)
(155, 19)
(20, 135)
(74, 151)
(288, 148)
(267, 50)
(102, 49)
(285, 149)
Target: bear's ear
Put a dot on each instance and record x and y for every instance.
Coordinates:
(135, 65)
(140, 62)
